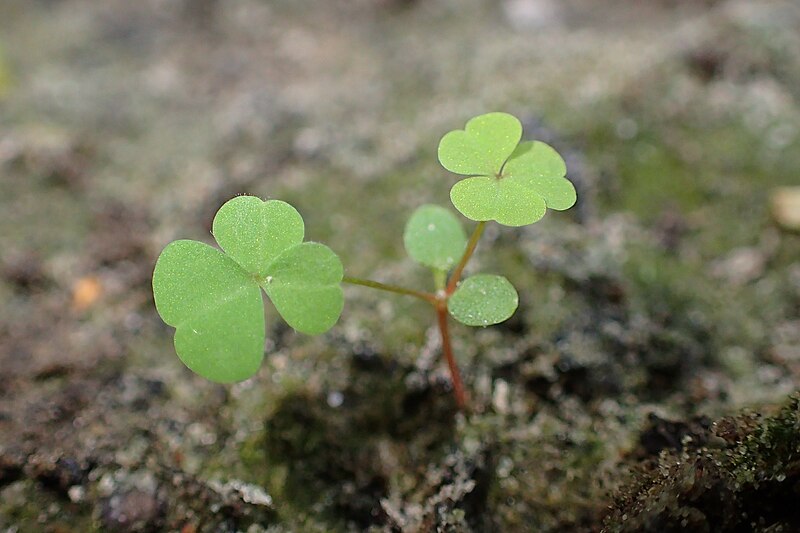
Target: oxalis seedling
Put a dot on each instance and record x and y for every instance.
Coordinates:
(213, 297)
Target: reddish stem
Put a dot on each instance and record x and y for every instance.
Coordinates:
(458, 386)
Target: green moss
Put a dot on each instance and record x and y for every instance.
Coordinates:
(26, 504)
(745, 479)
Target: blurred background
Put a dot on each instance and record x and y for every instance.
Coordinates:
(668, 298)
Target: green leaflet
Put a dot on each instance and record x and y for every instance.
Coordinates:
(434, 237)
(538, 167)
(253, 232)
(303, 283)
(481, 148)
(215, 307)
(483, 300)
(505, 201)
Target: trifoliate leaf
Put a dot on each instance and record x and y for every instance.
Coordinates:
(215, 307)
(481, 148)
(214, 301)
(434, 237)
(514, 190)
(304, 284)
(483, 300)
(253, 232)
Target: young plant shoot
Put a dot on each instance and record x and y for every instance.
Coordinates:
(213, 298)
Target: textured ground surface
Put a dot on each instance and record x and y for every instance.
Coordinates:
(639, 385)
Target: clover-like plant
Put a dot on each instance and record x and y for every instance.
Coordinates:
(213, 298)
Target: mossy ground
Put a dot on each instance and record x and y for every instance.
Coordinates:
(638, 386)
(739, 474)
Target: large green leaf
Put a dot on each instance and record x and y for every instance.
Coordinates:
(434, 237)
(304, 284)
(213, 298)
(215, 307)
(483, 300)
(481, 148)
(253, 232)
